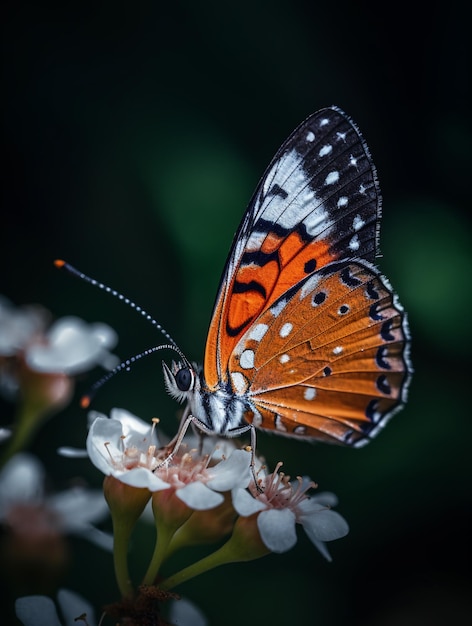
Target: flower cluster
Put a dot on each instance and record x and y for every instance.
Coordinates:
(207, 491)
(38, 364)
(259, 518)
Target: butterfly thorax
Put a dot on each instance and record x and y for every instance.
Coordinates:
(219, 411)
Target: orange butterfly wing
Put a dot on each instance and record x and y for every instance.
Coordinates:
(327, 360)
(301, 217)
(336, 368)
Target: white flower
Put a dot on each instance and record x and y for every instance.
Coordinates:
(72, 346)
(282, 504)
(41, 610)
(124, 446)
(18, 326)
(26, 509)
(198, 484)
(127, 448)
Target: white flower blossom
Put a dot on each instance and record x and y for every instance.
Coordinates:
(69, 347)
(281, 504)
(18, 326)
(126, 447)
(199, 484)
(73, 510)
(72, 346)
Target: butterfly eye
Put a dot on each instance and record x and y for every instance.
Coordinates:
(184, 379)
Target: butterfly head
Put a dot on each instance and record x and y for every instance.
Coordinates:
(181, 379)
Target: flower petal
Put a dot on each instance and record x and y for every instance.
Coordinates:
(72, 453)
(277, 529)
(21, 480)
(5, 433)
(18, 326)
(324, 525)
(72, 605)
(73, 347)
(141, 477)
(244, 503)
(321, 547)
(137, 431)
(36, 611)
(103, 439)
(103, 334)
(78, 506)
(185, 613)
(319, 502)
(199, 497)
(232, 472)
(96, 536)
(327, 498)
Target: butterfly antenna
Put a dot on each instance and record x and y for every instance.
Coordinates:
(126, 366)
(59, 263)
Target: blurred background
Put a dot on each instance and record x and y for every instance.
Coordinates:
(134, 135)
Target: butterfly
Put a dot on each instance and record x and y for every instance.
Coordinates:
(307, 338)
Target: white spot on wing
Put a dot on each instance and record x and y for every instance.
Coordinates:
(338, 350)
(258, 331)
(309, 285)
(354, 243)
(278, 307)
(353, 161)
(247, 359)
(342, 202)
(284, 358)
(357, 222)
(309, 393)
(325, 150)
(299, 430)
(310, 136)
(286, 329)
(279, 424)
(240, 382)
(332, 178)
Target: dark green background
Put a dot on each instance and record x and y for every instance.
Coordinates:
(134, 135)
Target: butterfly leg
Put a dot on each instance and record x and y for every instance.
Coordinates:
(176, 442)
(235, 432)
(188, 418)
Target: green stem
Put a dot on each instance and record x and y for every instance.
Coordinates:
(164, 537)
(27, 423)
(121, 534)
(226, 554)
(244, 544)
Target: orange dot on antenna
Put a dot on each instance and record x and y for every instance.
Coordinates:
(85, 402)
(59, 263)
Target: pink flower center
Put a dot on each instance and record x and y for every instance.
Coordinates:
(278, 492)
(185, 469)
